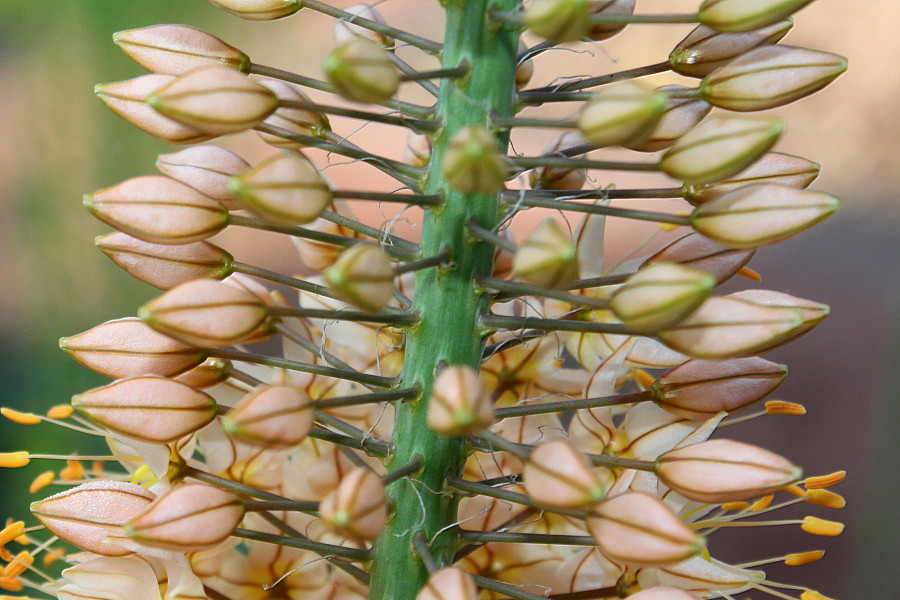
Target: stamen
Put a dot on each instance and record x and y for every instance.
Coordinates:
(11, 532)
(783, 407)
(12, 460)
(22, 418)
(734, 506)
(41, 481)
(825, 498)
(60, 411)
(824, 481)
(762, 503)
(802, 558)
(750, 274)
(813, 595)
(817, 526)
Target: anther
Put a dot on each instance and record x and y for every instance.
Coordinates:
(802, 558)
(824, 481)
(817, 526)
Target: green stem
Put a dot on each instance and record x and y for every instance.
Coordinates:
(527, 289)
(532, 162)
(415, 199)
(510, 590)
(529, 96)
(356, 400)
(386, 318)
(498, 322)
(526, 538)
(601, 209)
(471, 487)
(552, 407)
(304, 544)
(419, 125)
(512, 196)
(392, 244)
(287, 505)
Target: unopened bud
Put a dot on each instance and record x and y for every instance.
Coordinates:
(176, 49)
(641, 531)
(449, 582)
(259, 10)
(316, 255)
(661, 295)
(718, 471)
(363, 71)
(680, 115)
(745, 15)
(698, 389)
(363, 276)
(459, 404)
(558, 20)
(295, 120)
(357, 507)
(205, 168)
(559, 178)
(720, 147)
(473, 163)
(624, 114)
(774, 168)
(558, 475)
(417, 151)
(345, 30)
(285, 188)
(662, 593)
(604, 31)
(525, 69)
(273, 416)
(212, 371)
(207, 313)
(704, 50)
(547, 257)
(811, 312)
(189, 518)
(699, 252)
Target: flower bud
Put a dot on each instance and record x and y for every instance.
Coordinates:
(680, 115)
(774, 167)
(473, 163)
(759, 215)
(662, 593)
(417, 151)
(704, 50)
(363, 71)
(459, 404)
(547, 257)
(285, 188)
(129, 348)
(166, 265)
(189, 518)
(603, 31)
(811, 312)
(717, 471)
(558, 20)
(362, 276)
(661, 295)
(158, 209)
(90, 516)
(259, 10)
(640, 531)
(176, 49)
(345, 30)
(698, 389)
(295, 120)
(449, 583)
(206, 168)
(273, 416)
(206, 313)
(699, 252)
(558, 475)
(215, 100)
(720, 147)
(151, 409)
(744, 15)
(212, 371)
(127, 99)
(770, 77)
(357, 507)
(624, 114)
(559, 178)
(316, 255)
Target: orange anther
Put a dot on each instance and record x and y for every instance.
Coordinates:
(73, 471)
(796, 490)
(802, 558)
(22, 561)
(762, 503)
(11, 532)
(97, 468)
(60, 411)
(643, 377)
(5, 554)
(14, 459)
(739, 505)
(825, 498)
(41, 481)
(11, 584)
(824, 481)
(22, 418)
(783, 407)
(813, 595)
(750, 274)
(817, 526)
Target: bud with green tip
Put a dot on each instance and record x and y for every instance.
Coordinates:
(680, 115)
(357, 507)
(205, 168)
(774, 168)
(660, 295)
(604, 31)
(744, 15)
(459, 404)
(259, 10)
(559, 178)
(812, 312)
(558, 475)
(176, 49)
(272, 416)
(704, 50)
(211, 372)
(622, 115)
(472, 162)
(297, 121)
(362, 276)
(558, 20)
(547, 257)
(363, 71)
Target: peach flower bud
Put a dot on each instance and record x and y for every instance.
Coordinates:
(176, 49)
(720, 147)
(206, 168)
(345, 30)
(126, 99)
(604, 31)
(680, 115)
(525, 69)
(207, 313)
(704, 50)
(812, 312)
(285, 189)
(259, 10)
(773, 167)
(473, 163)
(90, 516)
(639, 530)
(189, 518)
(556, 178)
(296, 120)
(759, 215)
(166, 265)
(660, 295)
(363, 71)
(316, 255)
(624, 114)
(698, 389)
(662, 593)
(216, 100)
(699, 252)
(129, 348)
(558, 20)
(151, 409)
(558, 475)
(718, 471)
(744, 15)
(158, 209)
(362, 276)
(459, 404)
(547, 257)
(273, 416)
(212, 371)
(449, 583)
(357, 507)
(417, 151)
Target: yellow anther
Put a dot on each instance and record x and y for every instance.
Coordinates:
(817, 526)
(825, 498)
(97, 468)
(736, 506)
(762, 503)
(14, 459)
(802, 558)
(144, 476)
(824, 481)
(5, 597)
(5, 554)
(750, 274)
(22, 418)
(783, 407)
(668, 226)
(41, 481)
(60, 411)
(11, 584)
(643, 377)
(813, 595)
(11, 532)
(74, 470)
(23, 560)
(796, 490)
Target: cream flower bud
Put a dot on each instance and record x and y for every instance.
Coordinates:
(158, 209)
(206, 168)
(273, 416)
(90, 516)
(769, 77)
(679, 116)
(345, 30)
(604, 31)
(316, 255)
(718, 471)
(744, 15)
(812, 312)
(547, 257)
(363, 71)
(129, 348)
(638, 530)
(473, 162)
(558, 20)
(176, 49)
(207, 313)
(700, 252)
(698, 389)
(720, 147)
(296, 120)
(357, 507)
(660, 295)
(417, 151)
(212, 371)
(558, 475)
(624, 114)
(761, 214)
(449, 583)
(363, 276)
(216, 100)
(285, 189)
(127, 99)
(459, 404)
(166, 265)
(774, 167)
(259, 10)
(704, 50)
(662, 593)
(189, 518)
(150, 409)
(557, 178)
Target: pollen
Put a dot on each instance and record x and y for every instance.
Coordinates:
(750, 274)
(11, 532)
(762, 503)
(23, 560)
(825, 498)
(824, 481)
(13, 460)
(783, 407)
(60, 411)
(802, 558)
(41, 481)
(817, 526)
(22, 418)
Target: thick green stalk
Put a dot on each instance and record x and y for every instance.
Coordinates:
(447, 300)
